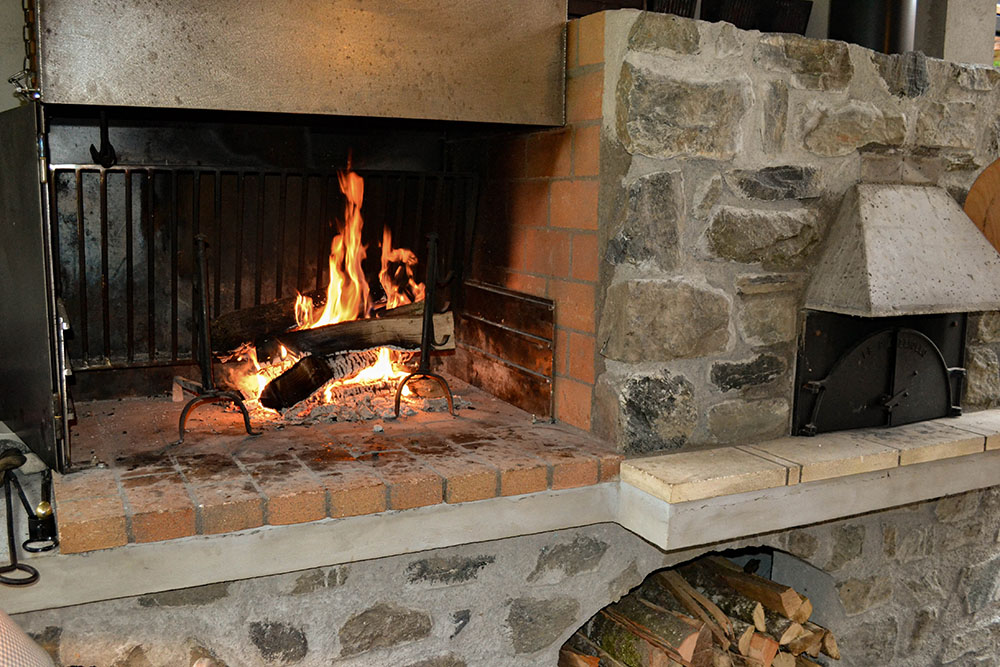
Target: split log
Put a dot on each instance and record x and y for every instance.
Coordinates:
(698, 605)
(398, 332)
(781, 628)
(730, 601)
(802, 661)
(633, 624)
(296, 384)
(803, 613)
(783, 660)
(776, 597)
(762, 649)
(581, 644)
(230, 330)
(570, 658)
(248, 325)
(810, 641)
(829, 643)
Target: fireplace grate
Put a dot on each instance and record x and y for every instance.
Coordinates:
(124, 244)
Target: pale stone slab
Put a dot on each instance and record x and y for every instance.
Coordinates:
(707, 473)
(832, 454)
(926, 441)
(794, 469)
(985, 423)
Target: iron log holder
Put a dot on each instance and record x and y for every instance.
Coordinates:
(207, 391)
(427, 332)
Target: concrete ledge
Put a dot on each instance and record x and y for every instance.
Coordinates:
(138, 569)
(724, 471)
(672, 526)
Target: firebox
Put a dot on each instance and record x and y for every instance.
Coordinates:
(99, 262)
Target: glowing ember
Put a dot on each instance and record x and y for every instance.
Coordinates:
(347, 298)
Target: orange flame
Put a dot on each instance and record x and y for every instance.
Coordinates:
(396, 275)
(347, 295)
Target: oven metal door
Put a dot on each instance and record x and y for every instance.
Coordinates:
(33, 398)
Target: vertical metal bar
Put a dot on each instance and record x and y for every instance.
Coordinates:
(195, 232)
(259, 264)
(129, 277)
(279, 272)
(174, 260)
(300, 283)
(238, 232)
(81, 248)
(217, 220)
(105, 277)
(147, 218)
(322, 252)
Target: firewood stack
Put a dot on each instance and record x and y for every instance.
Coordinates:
(708, 613)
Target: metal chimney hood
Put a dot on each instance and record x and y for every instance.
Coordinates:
(904, 250)
(474, 60)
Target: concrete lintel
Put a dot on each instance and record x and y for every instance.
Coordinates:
(701, 522)
(139, 569)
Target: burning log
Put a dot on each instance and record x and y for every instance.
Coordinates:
(400, 332)
(296, 384)
(231, 330)
(257, 323)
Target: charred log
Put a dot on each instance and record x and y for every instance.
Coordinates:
(400, 332)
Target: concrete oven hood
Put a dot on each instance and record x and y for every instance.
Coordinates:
(474, 60)
(904, 250)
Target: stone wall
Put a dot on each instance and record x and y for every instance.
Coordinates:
(911, 587)
(725, 155)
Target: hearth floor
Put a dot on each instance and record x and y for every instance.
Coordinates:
(138, 487)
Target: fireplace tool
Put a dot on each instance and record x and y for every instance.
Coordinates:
(206, 391)
(41, 522)
(427, 332)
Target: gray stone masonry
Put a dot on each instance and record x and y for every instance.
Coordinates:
(910, 587)
(725, 157)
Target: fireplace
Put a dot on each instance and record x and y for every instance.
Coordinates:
(679, 267)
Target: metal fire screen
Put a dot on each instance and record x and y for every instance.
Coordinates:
(124, 239)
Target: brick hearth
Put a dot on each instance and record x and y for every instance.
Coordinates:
(220, 480)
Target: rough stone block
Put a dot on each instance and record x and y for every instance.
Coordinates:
(905, 74)
(858, 595)
(648, 413)
(650, 222)
(187, 597)
(813, 64)
(948, 125)
(662, 117)
(382, 626)
(843, 130)
(279, 642)
(774, 183)
(985, 327)
(535, 624)
(982, 381)
(775, 117)
(762, 369)
(766, 319)
(664, 34)
(975, 77)
(748, 421)
(660, 320)
(583, 554)
(979, 584)
(776, 239)
(447, 569)
(848, 543)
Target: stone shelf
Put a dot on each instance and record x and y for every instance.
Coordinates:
(702, 474)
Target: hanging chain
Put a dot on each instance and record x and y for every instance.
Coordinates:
(25, 82)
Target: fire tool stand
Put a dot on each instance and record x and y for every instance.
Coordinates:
(207, 392)
(427, 333)
(41, 523)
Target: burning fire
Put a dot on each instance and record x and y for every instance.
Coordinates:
(347, 298)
